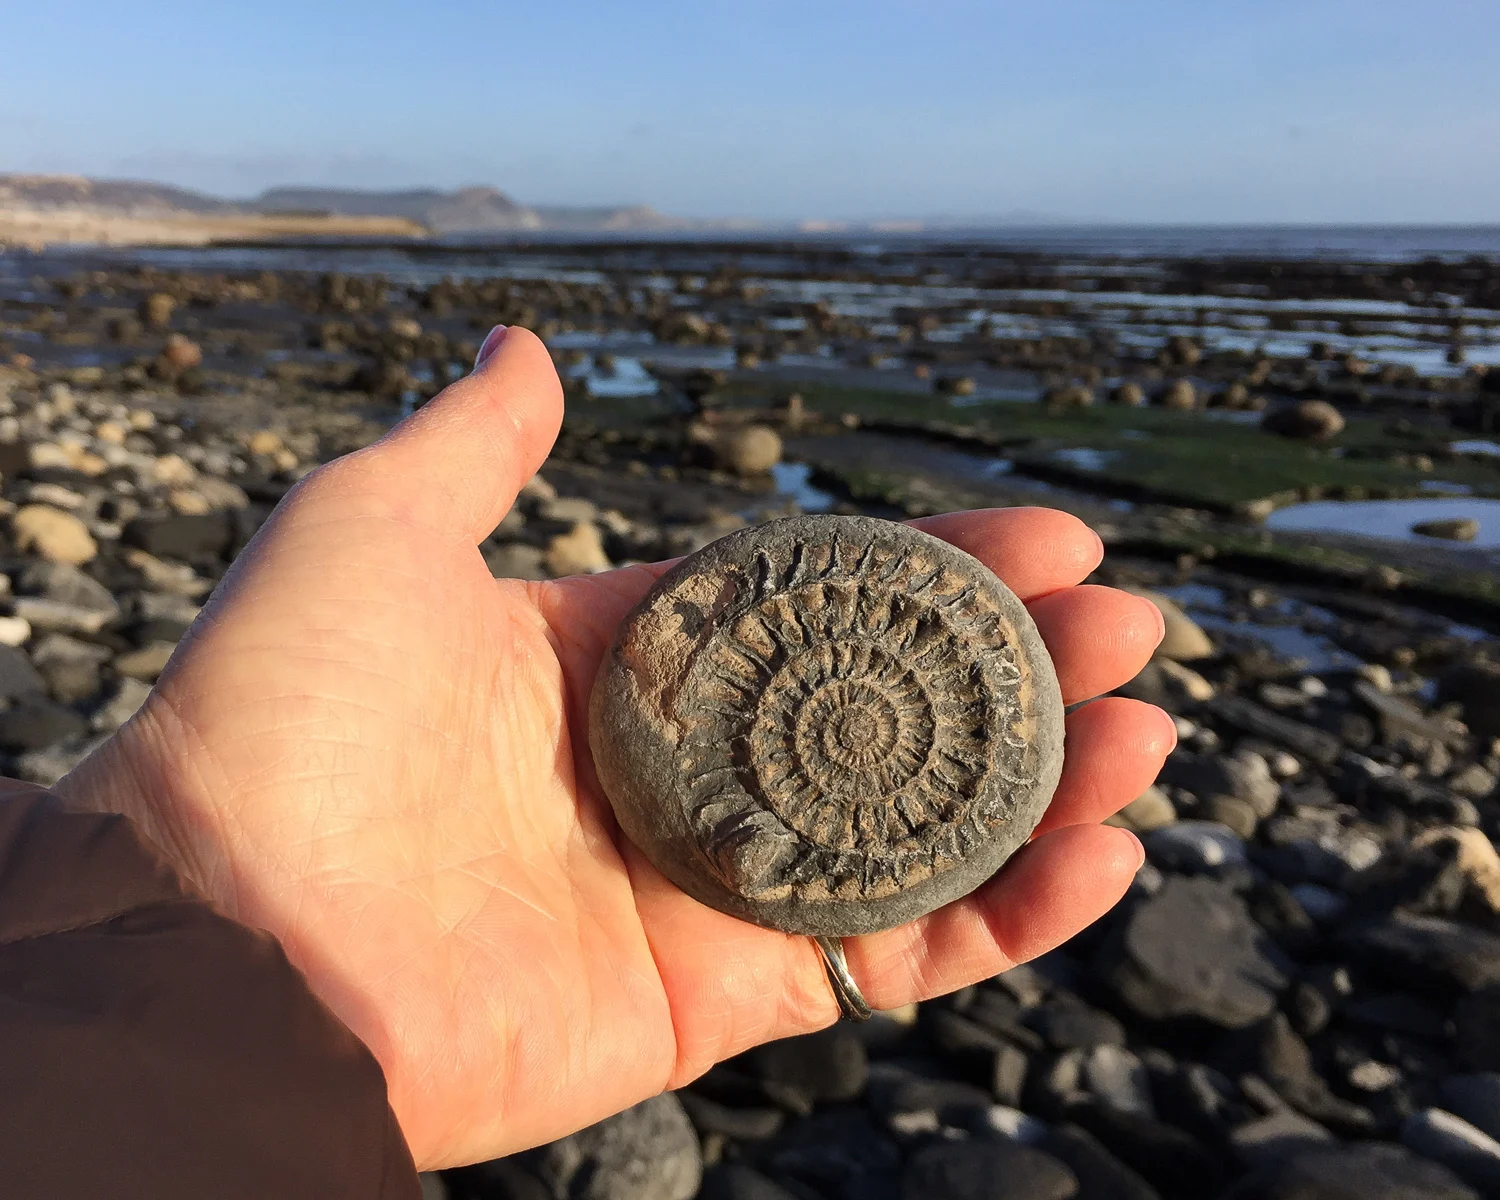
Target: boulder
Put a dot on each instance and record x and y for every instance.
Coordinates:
(1192, 950)
(56, 535)
(1307, 420)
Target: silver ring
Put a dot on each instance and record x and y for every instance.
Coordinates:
(852, 1004)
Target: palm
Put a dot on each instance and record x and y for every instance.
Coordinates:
(379, 753)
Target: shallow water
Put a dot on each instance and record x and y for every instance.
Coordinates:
(1477, 446)
(792, 481)
(1390, 518)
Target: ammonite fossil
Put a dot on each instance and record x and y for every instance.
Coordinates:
(828, 725)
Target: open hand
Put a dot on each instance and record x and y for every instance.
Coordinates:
(376, 751)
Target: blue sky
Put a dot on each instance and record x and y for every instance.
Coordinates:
(1323, 110)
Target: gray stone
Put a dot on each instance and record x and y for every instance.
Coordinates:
(1150, 810)
(1196, 846)
(1118, 1078)
(828, 725)
(1275, 1137)
(648, 1152)
(1407, 948)
(1475, 1098)
(1193, 951)
(736, 1181)
(1100, 1175)
(1469, 1153)
(1365, 1171)
(986, 1169)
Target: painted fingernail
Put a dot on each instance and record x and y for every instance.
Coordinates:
(490, 344)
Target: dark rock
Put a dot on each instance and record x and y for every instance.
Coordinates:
(1368, 1171)
(1008, 1075)
(736, 1181)
(189, 538)
(1476, 1023)
(840, 1154)
(1193, 951)
(1196, 847)
(36, 722)
(894, 1089)
(1286, 1063)
(1397, 1012)
(1469, 1153)
(19, 680)
(1068, 1023)
(1428, 950)
(743, 1124)
(648, 1152)
(828, 1065)
(500, 1179)
(1248, 717)
(1475, 687)
(982, 1169)
(1475, 1098)
(1276, 1137)
(1118, 1079)
(1100, 1175)
(1171, 1160)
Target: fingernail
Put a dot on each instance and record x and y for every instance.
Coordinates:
(1140, 850)
(1171, 721)
(491, 343)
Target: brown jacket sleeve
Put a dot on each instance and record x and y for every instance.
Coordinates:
(151, 1048)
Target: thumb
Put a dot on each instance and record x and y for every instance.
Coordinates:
(457, 463)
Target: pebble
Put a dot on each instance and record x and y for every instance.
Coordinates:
(648, 1152)
(986, 1170)
(56, 535)
(1148, 811)
(1475, 1098)
(580, 551)
(14, 631)
(1195, 846)
(1183, 640)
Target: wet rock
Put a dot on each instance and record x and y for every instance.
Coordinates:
(56, 535)
(1475, 1098)
(648, 1152)
(1452, 529)
(1366, 1171)
(1469, 1153)
(986, 1170)
(1307, 420)
(1193, 951)
(1183, 641)
(580, 551)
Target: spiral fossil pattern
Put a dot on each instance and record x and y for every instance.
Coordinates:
(844, 721)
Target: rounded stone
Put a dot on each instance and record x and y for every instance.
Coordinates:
(828, 725)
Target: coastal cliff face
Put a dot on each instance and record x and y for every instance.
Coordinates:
(43, 209)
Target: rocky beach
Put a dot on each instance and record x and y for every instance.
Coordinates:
(1296, 456)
